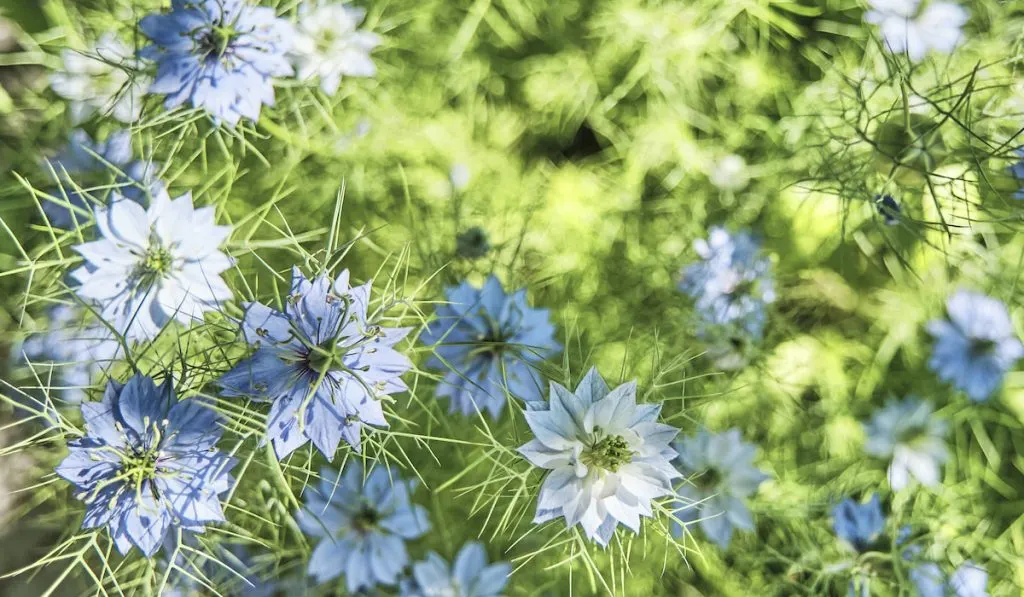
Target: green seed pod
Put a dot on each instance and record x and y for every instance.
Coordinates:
(909, 152)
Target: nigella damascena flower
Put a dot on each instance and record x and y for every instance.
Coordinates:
(859, 525)
(78, 350)
(328, 45)
(323, 364)
(608, 457)
(105, 79)
(78, 163)
(489, 340)
(147, 463)
(969, 580)
(908, 434)
(363, 523)
(1017, 172)
(733, 280)
(720, 476)
(908, 28)
(469, 577)
(219, 55)
(152, 266)
(976, 346)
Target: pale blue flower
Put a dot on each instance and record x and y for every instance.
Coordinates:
(153, 266)
(907, 28)
(732, 280)
(470, 577)
(907, 433)
(969, 580)
(148, 463)
(83, 160)
(976, 346)
(105, 79)
(720, 476)
(324, 365)
(488, 338)
(78, 350)
(219, 55)
(732, 287)
(608, 457)
(1017, 171)
(329, 46)
(859, 525)
(363, 524)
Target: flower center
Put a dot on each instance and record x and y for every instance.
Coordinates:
(215, 42)
(156, 264)
(140, 466)
(608, 454)
(709, 479)
(981, 347)
(366, 519)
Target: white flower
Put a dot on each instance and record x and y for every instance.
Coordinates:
(730, 173)
(905, 28)
(328, 46)
(106, 79)
(607, 455)
(908, 433)
(153, 265)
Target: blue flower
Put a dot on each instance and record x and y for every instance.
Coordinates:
(1017, 171)
(322, 363)
(219, 55)
(470, 577)
(147, 463)
(907, 433)
(363, 526)
(969, 580)
(860, 525)
(720, 475)
(976, 346)
(732, 281)
(134, 179)
(78, 351)
(888, 209)
(487, 338)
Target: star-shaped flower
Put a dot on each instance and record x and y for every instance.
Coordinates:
(608, 457)
(153, 266)
(908, 433)
(147, 463)
(322, 362)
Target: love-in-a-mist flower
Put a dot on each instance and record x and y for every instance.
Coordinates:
(719, 476)
(491, 342)
(219, 55)
(732, 281)
(363, 523)
(106, 79)
(78, 350)
(969, 580)
(322, 363)
(908, 27)
(79, 164)
(859, 525)
(1016, 170)
(912, 438)
(976, 346)
(469, 577)
(329, 46)
(152, 266)
(147, 463)
(608, 457)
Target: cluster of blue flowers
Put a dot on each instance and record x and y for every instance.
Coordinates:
(147, 463)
